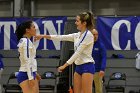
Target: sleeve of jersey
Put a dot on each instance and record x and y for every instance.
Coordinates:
(27, 60)
(69, 37)
(103, 55)
(87, 40)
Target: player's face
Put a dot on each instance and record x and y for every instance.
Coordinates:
(32, 30)
(79, 24)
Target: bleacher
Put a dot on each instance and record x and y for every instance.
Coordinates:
(47, 60)
(125, 65)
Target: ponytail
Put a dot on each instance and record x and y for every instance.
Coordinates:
(88, 18)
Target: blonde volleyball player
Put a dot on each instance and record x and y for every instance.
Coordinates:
(83, 44)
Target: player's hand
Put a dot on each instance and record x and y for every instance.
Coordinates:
(31, 83)
(38, 77)
(38, 37)
(61, 68)
(101, 73)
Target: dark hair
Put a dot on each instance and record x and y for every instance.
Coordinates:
(88, 18)
(21, 29)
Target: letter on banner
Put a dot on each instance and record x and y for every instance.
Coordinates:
(115, 35)
(7, 32)
(137, 36)
(52, 31)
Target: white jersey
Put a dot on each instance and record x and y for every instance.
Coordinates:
(27, 57)
(82, 45)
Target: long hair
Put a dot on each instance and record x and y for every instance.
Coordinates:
(21, 29)
(88, 18)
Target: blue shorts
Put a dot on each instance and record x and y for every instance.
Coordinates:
(85, 68)
(22, 76)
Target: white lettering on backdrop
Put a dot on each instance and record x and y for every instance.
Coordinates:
(48, 27)
(115, 34)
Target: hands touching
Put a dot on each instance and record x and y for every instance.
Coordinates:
(38, 37)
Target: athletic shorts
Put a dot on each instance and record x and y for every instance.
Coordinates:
(22, 76)
(85, 68)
